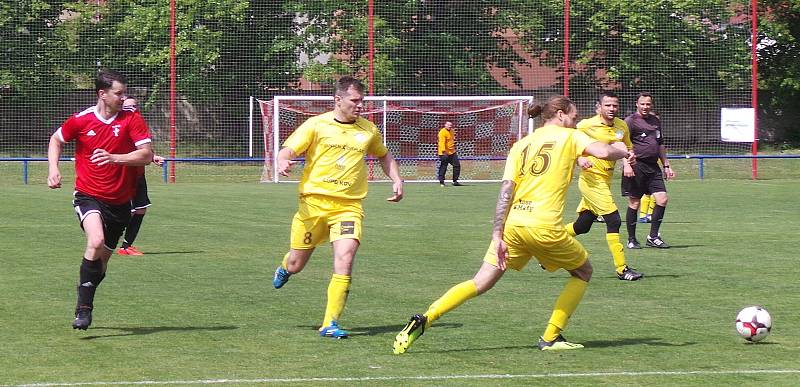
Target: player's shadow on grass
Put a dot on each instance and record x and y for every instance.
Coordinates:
(373, 331)
(173, 252)
(654, 341)
(136, 331)
(646, 276)
(383, 329)
(676, 247)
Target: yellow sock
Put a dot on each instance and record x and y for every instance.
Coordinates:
(617, 252)
(338, 289)
(283, 263)
(571, 229)
(566, 304)
(454, 297)
(652, 206)
(644, 205)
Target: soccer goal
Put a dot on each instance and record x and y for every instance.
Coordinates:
(485, 129)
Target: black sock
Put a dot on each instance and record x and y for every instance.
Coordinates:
(631, 217)
(658, 216)
(91, 274)
(132, 230)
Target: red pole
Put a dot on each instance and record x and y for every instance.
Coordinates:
(371, 65)
(754, 80)
(172, 76)
(371, 46)
(566, 48)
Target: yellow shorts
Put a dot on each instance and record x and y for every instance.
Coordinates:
(595, 197)
(322, 218)
(555, 249)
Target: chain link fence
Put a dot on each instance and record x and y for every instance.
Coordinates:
(694, 56)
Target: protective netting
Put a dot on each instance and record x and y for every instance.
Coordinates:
(484, 132)
(693, 56)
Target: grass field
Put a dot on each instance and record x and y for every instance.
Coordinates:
(199, 307)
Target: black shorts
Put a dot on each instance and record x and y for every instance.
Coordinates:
(141, 200)
(115, 217)
(648, 180)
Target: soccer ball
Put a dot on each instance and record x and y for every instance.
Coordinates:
(753, 323)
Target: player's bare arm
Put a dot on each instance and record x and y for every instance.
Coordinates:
(669, 174)
(285, 161)
(604, 151)
(142, 156)
(391, 169)
(500, 214)
(628, 163)
(630, 158)
(54, 150)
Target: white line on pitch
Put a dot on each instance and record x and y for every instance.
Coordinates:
(400, 378)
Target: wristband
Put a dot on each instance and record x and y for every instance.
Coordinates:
(666, 166)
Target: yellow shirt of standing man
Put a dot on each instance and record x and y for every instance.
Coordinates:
(447, 154)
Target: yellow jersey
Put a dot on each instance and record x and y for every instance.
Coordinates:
(335, 153)
(595, 128)
(541, 165)
(447, 142)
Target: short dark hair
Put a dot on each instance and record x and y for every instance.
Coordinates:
(106, 78)
(606, 93)
(645, 94)
(344, 83)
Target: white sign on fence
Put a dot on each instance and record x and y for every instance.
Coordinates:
(737, 124)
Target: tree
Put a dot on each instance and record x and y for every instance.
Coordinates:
(29, 47)
(30, 69)
(226, 51)
(779, 71)
(422, 47)
(685, 48)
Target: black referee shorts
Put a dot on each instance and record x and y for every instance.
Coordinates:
(648, 180)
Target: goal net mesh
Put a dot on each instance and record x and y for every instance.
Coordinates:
(484, 132)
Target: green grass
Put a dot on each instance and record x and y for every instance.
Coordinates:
(200, 305)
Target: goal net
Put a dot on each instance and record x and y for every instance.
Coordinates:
(485, 127)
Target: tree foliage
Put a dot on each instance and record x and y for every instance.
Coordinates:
(30, 57)
(684, 47)
(779, 70)
(421, 46)
(230, 49)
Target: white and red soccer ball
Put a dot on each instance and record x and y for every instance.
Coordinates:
(753, 323)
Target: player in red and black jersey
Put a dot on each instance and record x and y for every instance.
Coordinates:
(648, 145)
(111, 146)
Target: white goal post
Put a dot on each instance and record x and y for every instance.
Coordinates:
(485, 129)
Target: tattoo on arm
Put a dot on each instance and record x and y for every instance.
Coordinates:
(503, 205)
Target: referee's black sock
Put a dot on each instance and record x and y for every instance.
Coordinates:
(630, 222)
(91, 274)
(658, 216)
(132, 230)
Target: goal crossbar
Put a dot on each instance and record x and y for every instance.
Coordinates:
(384, 107)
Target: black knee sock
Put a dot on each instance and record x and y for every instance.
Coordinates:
(132, 230)
(631, 217)
(583, 224)
(658, 216)
(91, 274)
